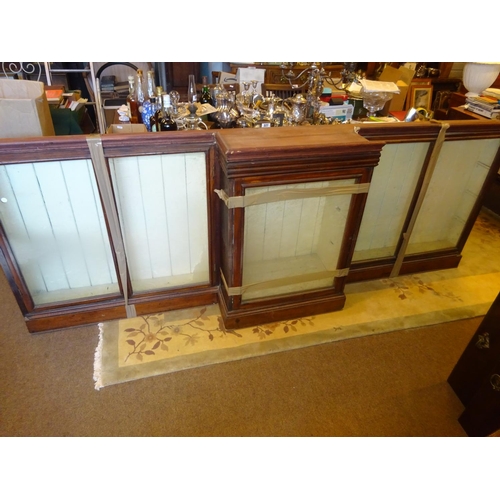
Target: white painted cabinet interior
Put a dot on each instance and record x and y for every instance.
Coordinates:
(393, 183)
(459, 175)
(162, 205)
(298, 239)
(53, 220)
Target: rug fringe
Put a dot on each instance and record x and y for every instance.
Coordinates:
(98, 360)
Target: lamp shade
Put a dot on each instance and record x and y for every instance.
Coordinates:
(477, 77)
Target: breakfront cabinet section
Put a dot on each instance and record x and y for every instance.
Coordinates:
(424, 197)
(289, 223)
(86, 239)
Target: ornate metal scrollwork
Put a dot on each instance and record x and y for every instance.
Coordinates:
(483, 341)
(21, 69)
(316, 73)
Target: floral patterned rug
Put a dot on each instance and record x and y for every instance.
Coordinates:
(158, 344)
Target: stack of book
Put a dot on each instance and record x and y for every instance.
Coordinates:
(54, 95)
(483, 105)
(111, 88)
(108, 83)
(58, 98)
(492, 92)
(73, 102)
(121, 89)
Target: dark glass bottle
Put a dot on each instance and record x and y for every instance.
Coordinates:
(133, 107)
(206, 96)
(153, 119)
(167, 123)
(157, 110)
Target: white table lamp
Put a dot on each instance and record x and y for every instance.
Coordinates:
(479, 76)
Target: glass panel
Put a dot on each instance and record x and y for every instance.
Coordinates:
(391, 190)
(293, 238)
(53, 219)
(162, 203)
(455, 185)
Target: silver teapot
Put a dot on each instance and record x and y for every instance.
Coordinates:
(296, 108)
(270, 105)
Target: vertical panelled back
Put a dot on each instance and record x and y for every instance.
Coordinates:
(162, 203)
(53, 218)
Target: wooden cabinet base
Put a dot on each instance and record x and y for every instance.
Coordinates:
(255, 315)
(77, 315)
(370, 271)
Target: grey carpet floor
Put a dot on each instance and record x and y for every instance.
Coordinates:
(392, 384)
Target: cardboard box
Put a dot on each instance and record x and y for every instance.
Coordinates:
(126, 128)
(24, 110)
(391, 74)
(402, 77)
(226, 78)
(397, 103)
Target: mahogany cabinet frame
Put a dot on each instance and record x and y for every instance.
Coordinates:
(102, 308)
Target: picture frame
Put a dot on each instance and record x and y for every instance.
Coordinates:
(420, 96)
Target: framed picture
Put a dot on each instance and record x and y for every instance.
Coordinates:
(420, 96)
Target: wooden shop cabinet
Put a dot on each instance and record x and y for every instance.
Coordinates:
(296, 223)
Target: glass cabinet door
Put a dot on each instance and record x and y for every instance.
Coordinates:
(457, 180)
(393, 184)
(162, 205)
(293, 245)
(53, 220)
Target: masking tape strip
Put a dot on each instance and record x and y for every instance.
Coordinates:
(421, 196)
(288, 194)
(97, 155)
(289, 280)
